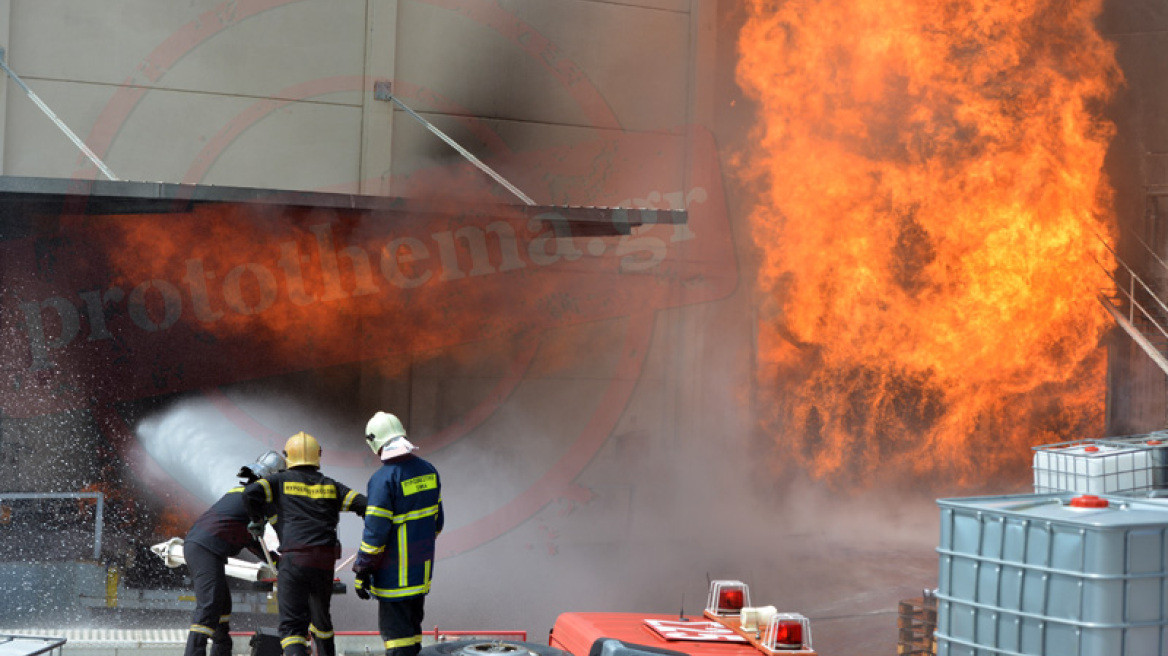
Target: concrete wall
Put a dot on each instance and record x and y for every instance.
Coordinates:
(5, 14)
(1138, 165)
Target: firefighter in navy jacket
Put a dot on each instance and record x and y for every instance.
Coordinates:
(218, 534)
(308, 507)
(404, 516)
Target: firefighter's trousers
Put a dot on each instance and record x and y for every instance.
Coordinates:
(400, 624)
(304, 591)
(212, 615)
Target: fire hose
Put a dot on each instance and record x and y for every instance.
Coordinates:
(171, 553)
(267, 554)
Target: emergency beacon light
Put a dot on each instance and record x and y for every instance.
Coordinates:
(727, 597)
(787, 631)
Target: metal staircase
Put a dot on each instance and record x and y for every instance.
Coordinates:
(1135, 304)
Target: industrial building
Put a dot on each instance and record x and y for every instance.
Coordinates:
(527, 227)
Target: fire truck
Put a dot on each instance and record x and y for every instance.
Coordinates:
(729, 626)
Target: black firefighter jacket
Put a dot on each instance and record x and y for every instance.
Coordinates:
(222, 529)
(307, 507)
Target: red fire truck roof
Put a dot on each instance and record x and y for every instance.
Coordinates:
(575, 633)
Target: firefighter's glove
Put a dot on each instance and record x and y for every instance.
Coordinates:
(362, 583)
(256, 527)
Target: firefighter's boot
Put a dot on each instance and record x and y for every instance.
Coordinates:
(221, 643)
(196, 644)
(325, 646)
(296, 646)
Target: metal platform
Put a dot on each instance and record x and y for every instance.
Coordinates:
(100, 642)
(172, 642)
(29, 645)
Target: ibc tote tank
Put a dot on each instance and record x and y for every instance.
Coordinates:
(1052, 575)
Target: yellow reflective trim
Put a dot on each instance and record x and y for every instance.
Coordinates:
(320, 634)
(235, 489)
(112, 576)
(403, 642)
(349, 498)
(426, 575)
(199, 628)
(420, 484)
(293, 640)
(378, 512)
(370, 549)
(400, 592)
(267, 489)
(415, 514)
(403, 557)
(223, 619)
(312, 491)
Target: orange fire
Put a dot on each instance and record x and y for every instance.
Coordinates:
(931, 221)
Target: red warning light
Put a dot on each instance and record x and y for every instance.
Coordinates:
(789, 634)
(730, 599)
(727, 597)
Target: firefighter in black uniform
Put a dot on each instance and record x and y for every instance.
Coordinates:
(219, 534)
(402, 523)
(308, 505)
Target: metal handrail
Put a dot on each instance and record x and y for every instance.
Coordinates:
(1131, 272)
(1136, 334)
(1129, 292)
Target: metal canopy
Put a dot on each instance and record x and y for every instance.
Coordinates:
(21, 197)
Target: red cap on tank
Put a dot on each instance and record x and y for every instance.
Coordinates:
(1089, 501)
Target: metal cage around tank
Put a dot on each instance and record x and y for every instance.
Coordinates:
(1045, 574)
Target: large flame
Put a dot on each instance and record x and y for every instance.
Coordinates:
(931, 223)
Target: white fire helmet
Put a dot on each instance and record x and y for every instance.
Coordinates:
(264, 466)
(387, 436)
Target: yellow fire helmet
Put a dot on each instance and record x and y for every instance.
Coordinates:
(302, 449)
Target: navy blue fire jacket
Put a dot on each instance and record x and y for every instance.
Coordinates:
(403, 518)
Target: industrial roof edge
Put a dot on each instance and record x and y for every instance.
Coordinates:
(169, 191)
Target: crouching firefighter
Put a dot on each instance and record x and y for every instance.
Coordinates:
(402, 522)
(308, 507)
(218, 534)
